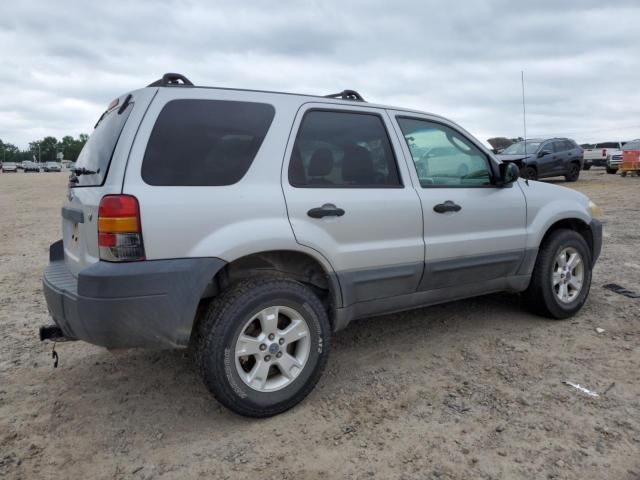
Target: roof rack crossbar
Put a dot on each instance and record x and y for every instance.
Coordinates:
(172, 80)
(347, 95)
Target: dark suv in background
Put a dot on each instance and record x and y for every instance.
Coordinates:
(546, 157)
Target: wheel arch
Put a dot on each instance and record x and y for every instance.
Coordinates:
(576, 224)
(299, 265)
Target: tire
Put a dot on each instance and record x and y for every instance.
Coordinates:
(227, 318)
(541, 297)
(612, 171)
(529, 173)
(587, 166)
(573, 172)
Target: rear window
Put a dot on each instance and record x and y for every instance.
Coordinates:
(97, 152)
(608, 145)
(205, 142)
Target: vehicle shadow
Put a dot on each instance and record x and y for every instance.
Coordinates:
(160, 391)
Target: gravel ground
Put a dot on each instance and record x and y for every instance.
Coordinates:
(472, 389)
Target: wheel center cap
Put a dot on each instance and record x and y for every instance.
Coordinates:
(274, 348)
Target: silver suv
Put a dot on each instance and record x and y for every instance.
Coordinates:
(251, 225)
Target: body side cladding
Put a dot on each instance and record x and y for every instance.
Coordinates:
(472, 269)
(427, 298)
(373, 283)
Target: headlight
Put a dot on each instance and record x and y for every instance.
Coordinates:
(594, 209)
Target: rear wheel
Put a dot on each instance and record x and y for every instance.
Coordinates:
(562, 276)
(529, 173)
(573, 172)
(587, 166)
(264, 345)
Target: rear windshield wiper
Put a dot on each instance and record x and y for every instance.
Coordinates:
(76, 172)
(84, 171)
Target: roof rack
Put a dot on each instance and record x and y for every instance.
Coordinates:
(172, 80)
(347, 95)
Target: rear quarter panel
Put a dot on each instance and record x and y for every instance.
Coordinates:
(226, 222)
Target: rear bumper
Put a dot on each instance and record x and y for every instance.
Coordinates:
(599, 162)
(121, 305)
(596, 234)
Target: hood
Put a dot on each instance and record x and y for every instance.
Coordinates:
(513, 158)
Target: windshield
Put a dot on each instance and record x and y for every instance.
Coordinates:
(632, 145)
(518, 148)
(97, 152)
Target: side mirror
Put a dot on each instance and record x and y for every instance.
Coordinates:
(543, 153)
(509, 173)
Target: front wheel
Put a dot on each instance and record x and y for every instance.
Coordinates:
(561, 277)
(573, 172)
(612, 171)
(264, 345)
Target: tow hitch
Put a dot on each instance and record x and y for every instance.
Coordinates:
(55, 334)
(52, 332)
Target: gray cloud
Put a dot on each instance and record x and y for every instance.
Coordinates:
(62, 63)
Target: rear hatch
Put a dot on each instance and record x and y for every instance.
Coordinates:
(99, 171)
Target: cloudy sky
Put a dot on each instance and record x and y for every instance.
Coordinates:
(62, 62)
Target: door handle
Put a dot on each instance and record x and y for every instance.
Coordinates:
(447, 206)
(326, 210)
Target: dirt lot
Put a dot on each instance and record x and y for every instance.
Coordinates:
(471, 389)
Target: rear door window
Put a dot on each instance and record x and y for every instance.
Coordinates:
(97, 152)
(559, 146)
(341, 150)
(205, 142)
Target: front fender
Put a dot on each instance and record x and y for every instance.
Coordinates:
(549, 204)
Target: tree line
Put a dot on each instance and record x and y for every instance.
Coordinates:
(45, 150)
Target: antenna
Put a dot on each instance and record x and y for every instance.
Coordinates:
(524, 114)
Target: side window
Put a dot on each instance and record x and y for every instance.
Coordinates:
(204, 142)
(444, 157)
(342, 149)
(559, 146)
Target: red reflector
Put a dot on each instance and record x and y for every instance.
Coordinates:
(118, 206)
(106, 239)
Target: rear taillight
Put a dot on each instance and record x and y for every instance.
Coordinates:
(119, 229)
(604, 152)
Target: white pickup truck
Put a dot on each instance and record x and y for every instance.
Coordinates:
(598, 155)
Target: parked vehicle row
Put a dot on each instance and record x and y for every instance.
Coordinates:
(552, 157)
(30, 166)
